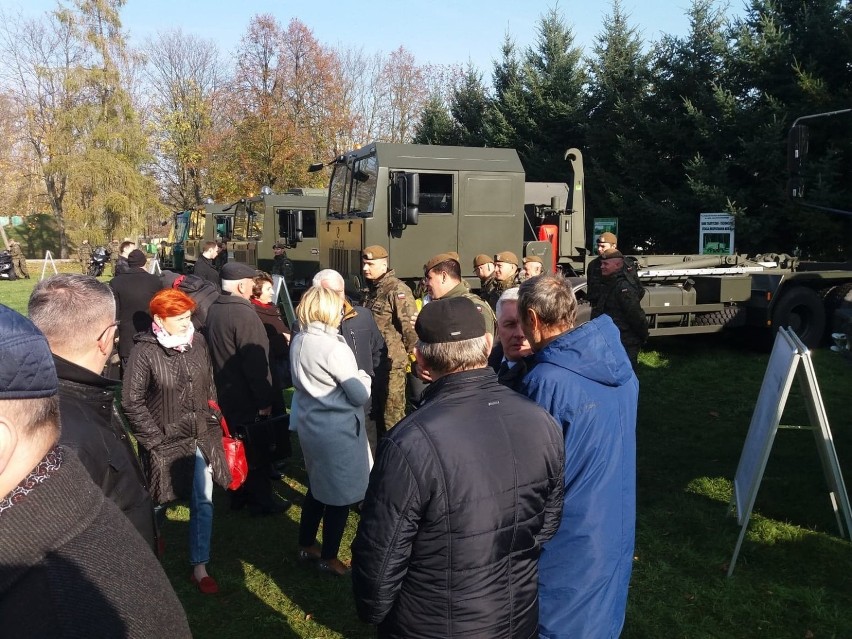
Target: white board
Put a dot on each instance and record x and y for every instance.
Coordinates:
(764, 422)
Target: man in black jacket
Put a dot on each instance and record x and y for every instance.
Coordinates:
(361, 333)
(133, 291)
(70, 563)
(77, 315)
(463, 493)
(204, 266)
(239, 350)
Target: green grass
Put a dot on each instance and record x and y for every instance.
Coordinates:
(793, 576)
(16, 293)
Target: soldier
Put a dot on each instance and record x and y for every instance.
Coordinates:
(483, 266)
(618, 299)
(282, 265)
(533, 265)
(505, 275)
(392, 305)
(114, 248)
(444, 281)
(19, 262)
(85, 255)
(605, 242)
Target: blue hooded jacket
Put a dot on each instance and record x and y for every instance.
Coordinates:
(584, 379)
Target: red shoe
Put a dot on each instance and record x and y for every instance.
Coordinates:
(206, 585)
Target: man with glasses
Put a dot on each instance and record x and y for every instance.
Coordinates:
(605, 242)
(76, 313)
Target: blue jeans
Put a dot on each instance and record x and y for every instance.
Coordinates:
(201, 511)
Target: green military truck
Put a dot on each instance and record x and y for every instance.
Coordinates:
(251, 226)
(418, 201)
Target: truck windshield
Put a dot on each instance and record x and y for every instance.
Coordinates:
(352, 190)
(338, 189)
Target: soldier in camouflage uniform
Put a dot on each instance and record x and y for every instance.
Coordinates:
(505, 275)
(444, 280)
(85, 255)
(392, 305)
(19, 262)
(619, 300)
(483, 266)
(114, 248)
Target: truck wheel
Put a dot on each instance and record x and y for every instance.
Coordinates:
(801, 309)
(731, 317)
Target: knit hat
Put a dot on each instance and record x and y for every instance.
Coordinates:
(608, 237)
(441, 257)
(506, 256)
(481, 259)
(449, 320)
(374, 252)
(26, 364)
(136, 258)
(237, 271)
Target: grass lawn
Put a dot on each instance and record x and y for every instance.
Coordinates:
(793, 577)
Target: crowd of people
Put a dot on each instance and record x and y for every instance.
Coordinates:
(495, 496)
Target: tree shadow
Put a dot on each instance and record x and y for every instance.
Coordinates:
(38, 234)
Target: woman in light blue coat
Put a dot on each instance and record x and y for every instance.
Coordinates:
(328, 415)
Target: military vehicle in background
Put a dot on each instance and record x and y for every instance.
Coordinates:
(420, 200)
(251, 226)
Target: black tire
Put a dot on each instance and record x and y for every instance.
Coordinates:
(731, 317)
(801, 309)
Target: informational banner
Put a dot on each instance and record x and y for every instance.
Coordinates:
(605, 225)
(716, 234)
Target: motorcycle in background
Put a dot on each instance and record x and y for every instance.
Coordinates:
(100, 256)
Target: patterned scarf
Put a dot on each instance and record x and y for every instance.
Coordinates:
(49, 464)
(180, 343)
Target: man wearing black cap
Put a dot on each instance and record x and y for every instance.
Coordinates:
(239, 349)
(133, 290)
(70, 562)
(618, 299)
(463, 493)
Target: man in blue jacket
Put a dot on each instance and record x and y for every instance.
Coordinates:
(584, 379)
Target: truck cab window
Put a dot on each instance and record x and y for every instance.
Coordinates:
(364, 178)
(436, 193)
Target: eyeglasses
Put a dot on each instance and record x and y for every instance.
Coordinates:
(101, 336)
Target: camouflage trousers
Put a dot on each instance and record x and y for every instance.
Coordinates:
(20, 264)
(390, 401)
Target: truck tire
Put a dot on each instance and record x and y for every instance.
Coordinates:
(731, 317)
(801, 309)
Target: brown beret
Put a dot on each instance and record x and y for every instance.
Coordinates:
(481, 259)
(374, 252)
(441, 257)
(608, 237)
(611, 253)
(533, 258)
(506, 256)
(449, 320)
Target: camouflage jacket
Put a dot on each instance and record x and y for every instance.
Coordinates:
(488, 315)
(15, 250)
(499, 286)
(392, 304)
(85, 254)
(487, 288)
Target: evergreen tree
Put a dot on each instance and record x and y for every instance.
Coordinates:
(435, 125)
(468, 104)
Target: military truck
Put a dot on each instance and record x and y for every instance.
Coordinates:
(251, 226)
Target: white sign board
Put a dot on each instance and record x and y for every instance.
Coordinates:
(716, 234)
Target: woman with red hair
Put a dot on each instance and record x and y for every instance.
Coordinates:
(167, 385)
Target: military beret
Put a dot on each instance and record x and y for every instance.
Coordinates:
(481, 259)
(506, 256)
(608, 237)
(611, 253)
(26, 364)
(374, 252)
(136, 258)
(237, 271)
(533, 258)
(449, 320)
(441, 257)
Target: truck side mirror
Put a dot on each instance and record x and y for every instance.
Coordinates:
(291, 226)
(405, 200)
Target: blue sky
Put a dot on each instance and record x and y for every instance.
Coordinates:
(434, 31)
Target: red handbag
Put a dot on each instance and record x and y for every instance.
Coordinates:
(235, 451)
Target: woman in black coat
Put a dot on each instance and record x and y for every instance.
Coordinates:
(167, 386)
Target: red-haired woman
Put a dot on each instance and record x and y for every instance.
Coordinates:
(167, 384)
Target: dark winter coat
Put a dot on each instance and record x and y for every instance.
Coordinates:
(202, 292)
(92, 428)
(463, 493)
(584, 379)
(204, 269)
(165, 395)
(618, 299)
(362, 335)
(239, 350)
(133, 291)
(71, 565)
(279, 351)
